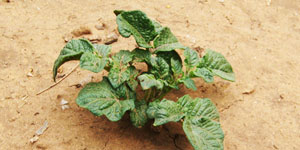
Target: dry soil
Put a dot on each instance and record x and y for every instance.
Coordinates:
(260, 38)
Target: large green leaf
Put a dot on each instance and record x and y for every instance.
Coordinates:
(168, 111)
(166, 41)
(204, 73)
(136, 23)
(203, 133)
(199, 108)
(218, 65)
(200, 124)
(148, 81)
(72, 51)
(119, 72)
(138, 116)
(140, 55)
(200, 120)
(102, 99)
(165, 111)
(92, 62)
(191, 58)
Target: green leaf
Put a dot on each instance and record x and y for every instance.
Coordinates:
(200, 120)
(204, 73)
(92, 62)
(102, 50)
(167, 56)
(167, 111)
(160, 68)
(152, 109)
(119, 72)
(176, 67)
(117, 76)
(157, 26)
(72, 51)
(218, 65)
(173, 59)
(199, 108)
(124, 92)
(140, 55)
(148, 81)
(138, 116)
(136, 23)
(191, 58)
(102, 99)
(185, 100)
(166, 41)
(203, 133)
(132, 82)
(189, 83)
(122, 58)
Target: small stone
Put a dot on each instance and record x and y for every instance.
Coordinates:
(94, 39)
(67, 37)
(63, 107)
(29, 74)
(64, 102)
(100, 26)
(111, 38)
(81, 31)
(34, 139)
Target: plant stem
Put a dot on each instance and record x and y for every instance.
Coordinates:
(163, 94)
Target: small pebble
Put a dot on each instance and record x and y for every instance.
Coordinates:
(100, 26)
(64, 102)
(111, 38)
(29, 74)
(34, 139)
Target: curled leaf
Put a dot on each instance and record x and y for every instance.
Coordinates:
(148, 81)
(72, 51)
(136, 23)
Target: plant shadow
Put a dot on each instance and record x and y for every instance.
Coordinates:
(123, 135)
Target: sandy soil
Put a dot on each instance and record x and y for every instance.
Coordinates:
(259, 111)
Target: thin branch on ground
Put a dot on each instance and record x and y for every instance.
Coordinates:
(46, 89)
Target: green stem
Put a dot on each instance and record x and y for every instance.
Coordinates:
(163, 94)
(148, 94)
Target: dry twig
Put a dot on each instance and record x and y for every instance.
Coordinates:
(46, 89)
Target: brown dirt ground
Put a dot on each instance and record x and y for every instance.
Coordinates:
(261, 110)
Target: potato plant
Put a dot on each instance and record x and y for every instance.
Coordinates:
(166, 70)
